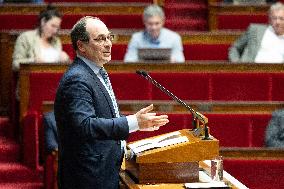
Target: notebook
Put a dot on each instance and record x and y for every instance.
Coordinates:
(154, 54)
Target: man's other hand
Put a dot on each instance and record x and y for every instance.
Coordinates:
(150, 121)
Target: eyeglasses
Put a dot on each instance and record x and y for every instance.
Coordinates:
(276, 18)
(102, 39)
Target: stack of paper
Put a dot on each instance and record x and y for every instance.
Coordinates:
(158, 142)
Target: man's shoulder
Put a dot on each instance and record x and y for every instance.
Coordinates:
(258, 26)
(30, 34)
(76, 71)
(171, 33)
(138, 35)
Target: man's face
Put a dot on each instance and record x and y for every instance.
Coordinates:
(154, 25)
(98, 49)
(277, 21)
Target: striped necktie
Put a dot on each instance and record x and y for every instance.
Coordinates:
(109, 88)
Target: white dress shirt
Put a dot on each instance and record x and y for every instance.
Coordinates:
(271, 49)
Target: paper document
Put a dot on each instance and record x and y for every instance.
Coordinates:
(158, 142)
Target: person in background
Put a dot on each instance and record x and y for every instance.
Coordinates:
(155, 36)
(274, 135)
(41, 45)
(262, 43)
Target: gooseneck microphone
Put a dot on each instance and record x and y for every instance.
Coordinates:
(196, 115)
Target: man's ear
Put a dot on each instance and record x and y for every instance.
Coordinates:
(81, 46)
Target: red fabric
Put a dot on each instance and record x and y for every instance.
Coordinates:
(277, 87)
(230, 129)
(240, 86)
(29, 21)
(239, 21)
(130, 86)
(112, 21)
(31, 140)
(193, 86)
(257, 174)
(49, 172)
(259, 125)
(69, 50)
(206, 51)
(118, 51)
(43, 87)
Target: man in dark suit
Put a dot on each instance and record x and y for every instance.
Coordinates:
(90, 128)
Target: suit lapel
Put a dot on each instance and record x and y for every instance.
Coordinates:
(98, 82)
(258, 34)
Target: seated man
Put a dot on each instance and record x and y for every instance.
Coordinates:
(262, 43)
(274, 136)
(50, 132)
(154, 36)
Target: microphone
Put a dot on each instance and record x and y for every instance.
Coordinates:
(196, 115)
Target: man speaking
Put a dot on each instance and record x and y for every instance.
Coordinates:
(91, 130)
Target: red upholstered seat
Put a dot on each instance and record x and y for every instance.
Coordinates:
(193, 86)
(118, 51)
(259, 125)
(206, 51)
(277, 87)
(230, 129)
(130, 86)
(240, 86)
(69, 50)
(43, 87)
(257, 174)
(29, 21)
(239, 21)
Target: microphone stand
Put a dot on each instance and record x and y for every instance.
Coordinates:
(196, 115)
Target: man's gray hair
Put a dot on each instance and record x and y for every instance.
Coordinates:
(79, 31)
(276, 6)
(153, 10)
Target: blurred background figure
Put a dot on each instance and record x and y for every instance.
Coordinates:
(155, 36)
(262, 43)
(274, 136)
(41, 45)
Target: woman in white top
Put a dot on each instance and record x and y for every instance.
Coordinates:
(42, 44)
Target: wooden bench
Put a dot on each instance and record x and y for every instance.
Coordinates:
(231, 16)
(195, 45)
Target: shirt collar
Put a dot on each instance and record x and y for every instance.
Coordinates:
(148, 37)
(272, 30)
(91, 64)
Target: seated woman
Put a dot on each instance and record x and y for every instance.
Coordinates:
(41, 45)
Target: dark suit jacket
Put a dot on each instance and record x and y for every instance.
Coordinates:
(89, 133)
(50, 132)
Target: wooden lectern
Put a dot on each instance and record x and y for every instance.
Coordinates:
(176, 163)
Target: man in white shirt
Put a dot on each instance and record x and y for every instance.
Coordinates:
(155, 36)
(262, 43)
